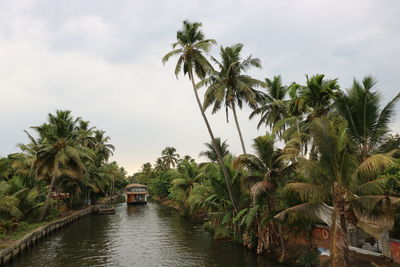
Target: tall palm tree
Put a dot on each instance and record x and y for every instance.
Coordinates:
(192, 45)
(335, 189)
(229, 86)
(58, 150)
(368, 122)
(211, 154)
(272, 105)
(169, 157)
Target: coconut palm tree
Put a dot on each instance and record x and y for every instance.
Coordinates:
(169, 157)
(101, 148)
(210, 152)
(319, 93)
(339, 190)
(58, 150)
(272, 106)
(229, 86)
(191, 46)
(265, 171)
(189, 174)
(368, 121)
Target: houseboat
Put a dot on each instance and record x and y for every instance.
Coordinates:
(136, 194)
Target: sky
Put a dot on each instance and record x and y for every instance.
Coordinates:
(102, 60)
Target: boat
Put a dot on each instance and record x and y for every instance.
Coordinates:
(136, 194)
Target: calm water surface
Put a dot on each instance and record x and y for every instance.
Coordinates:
(149, 235)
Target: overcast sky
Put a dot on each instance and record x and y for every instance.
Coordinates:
(102, 60)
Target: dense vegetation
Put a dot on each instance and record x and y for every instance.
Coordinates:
(335, 164)
(63, 166)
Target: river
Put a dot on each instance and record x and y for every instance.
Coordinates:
(148, 235)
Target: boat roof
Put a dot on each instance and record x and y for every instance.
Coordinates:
(137, 193)
(135, 185)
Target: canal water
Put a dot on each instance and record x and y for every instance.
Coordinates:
(148, 235)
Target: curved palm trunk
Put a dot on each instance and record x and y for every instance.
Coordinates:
(220, 159)
(46, 204)
(238, 128)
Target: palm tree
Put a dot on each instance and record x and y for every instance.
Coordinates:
(336, 179)
(313, 100)
(58, 150)
(192, 45)
(211, 154)
(169, 157)
(368, 122)
(211, 193)
(160, 165)
(189, 174)
(85, 133)
(272, 105)
(319, 93)
(102, 149)
(229, 86)
(265, 171)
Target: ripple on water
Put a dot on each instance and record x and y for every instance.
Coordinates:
(148, 235)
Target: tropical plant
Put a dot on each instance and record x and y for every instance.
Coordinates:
(272, 106)
(189, 174)
(337, 189)
(58, 150)
(192, 45)
(211, 154)
(170, 157)
(265, 172)
(229, 86)
(368, 122)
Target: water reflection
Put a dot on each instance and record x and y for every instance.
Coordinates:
(148, 235)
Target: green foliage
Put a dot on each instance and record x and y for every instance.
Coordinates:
(160, 185)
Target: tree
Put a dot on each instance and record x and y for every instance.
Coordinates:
(192, 45)
(229, 86)
(272, 106)
(337, 189)
(265, 171)
(169, 157)
(368, 122)
(211, 154)
(189, 174)
(58, 150)
(102, 149)
(318, 94)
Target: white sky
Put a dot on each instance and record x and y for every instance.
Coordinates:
(102, 60)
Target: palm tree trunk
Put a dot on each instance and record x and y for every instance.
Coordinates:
(46, 204)
(220, 159)
(298, 133)
(238, 128)
(339, 239)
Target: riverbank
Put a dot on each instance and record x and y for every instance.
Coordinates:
(14, 244)
(16, 247)
(295, 245)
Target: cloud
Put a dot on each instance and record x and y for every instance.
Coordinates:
(103, 62)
